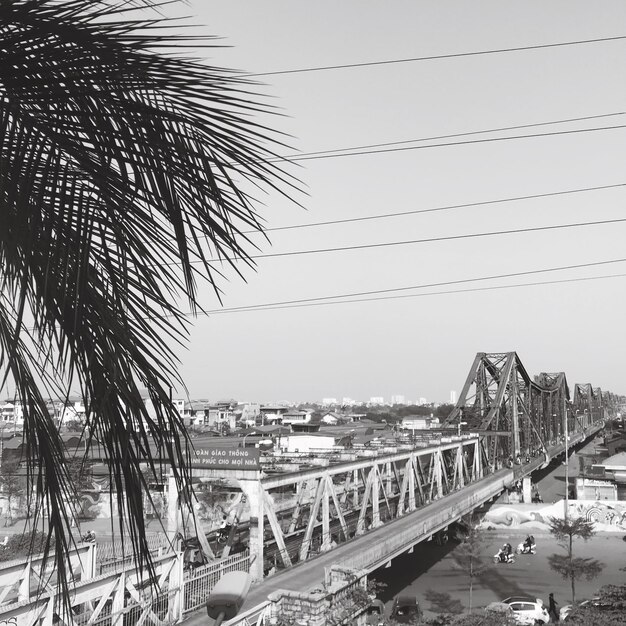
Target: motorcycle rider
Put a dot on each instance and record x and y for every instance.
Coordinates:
(505, 552)
(529, 543)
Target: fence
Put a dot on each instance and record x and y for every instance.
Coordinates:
(198, 586)
(114, 556)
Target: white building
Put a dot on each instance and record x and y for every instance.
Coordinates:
(307, 442)
(377, 400)
(329, 401)
(398, 400)
(416, 422)
(297, 417)
(453, 397)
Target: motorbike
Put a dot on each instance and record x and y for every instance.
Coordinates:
(522, 548)
(222, 533)
(500, 558)
(89, 537)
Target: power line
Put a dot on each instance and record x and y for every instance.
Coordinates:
(441, 208)
(417, 295)
(436, 57)
(454, 143)
(447, 283)
(450, 136)
(389, 244)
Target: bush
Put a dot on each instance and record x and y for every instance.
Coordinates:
(23, 545)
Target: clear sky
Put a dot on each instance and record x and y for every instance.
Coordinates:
(424, 346)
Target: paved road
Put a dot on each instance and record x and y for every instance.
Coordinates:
(434, 567)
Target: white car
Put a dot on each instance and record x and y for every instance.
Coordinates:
(527, 610)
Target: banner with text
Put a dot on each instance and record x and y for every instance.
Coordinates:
(227, 458)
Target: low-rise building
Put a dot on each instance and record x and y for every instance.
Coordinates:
(604, 481)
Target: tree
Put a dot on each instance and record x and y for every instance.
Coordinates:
(470, 556)
(11, 484)
(126, 177)
(567, 565)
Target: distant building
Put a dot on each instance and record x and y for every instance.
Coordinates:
(309, 442)
(332, 418)
(453, 397)
(604, 481)
(250, 412)
(273, 413)
(377, 400)
(398, 400)
(422, 402)
(417, 422)
(329, 401)
(348, 402)
(296, 417)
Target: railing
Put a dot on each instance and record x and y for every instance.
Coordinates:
(115, 557)
(198, 586)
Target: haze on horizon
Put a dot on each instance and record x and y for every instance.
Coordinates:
(423, 345)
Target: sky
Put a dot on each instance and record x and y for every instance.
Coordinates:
(424, 345)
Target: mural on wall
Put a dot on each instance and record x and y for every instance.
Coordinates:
(607, 515)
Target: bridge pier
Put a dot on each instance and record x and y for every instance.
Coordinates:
(253, 490)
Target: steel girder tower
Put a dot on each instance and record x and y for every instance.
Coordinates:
(518, 417)
(588, 404)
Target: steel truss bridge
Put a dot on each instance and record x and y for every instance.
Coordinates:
(503, 419)
(373, 504)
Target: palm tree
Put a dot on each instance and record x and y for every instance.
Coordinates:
(125, 179)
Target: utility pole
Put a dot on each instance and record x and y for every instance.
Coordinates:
(566, 501)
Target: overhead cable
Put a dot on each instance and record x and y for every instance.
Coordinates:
(450, 136)
(436, 57)
(454, 143)
(389, 244)
(448, 207)
(415, 295)
(446, 283)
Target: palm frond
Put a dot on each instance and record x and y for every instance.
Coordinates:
(122, 172)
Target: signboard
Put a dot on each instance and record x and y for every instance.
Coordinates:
(227, 458)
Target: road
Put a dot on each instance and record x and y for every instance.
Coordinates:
(434, 567)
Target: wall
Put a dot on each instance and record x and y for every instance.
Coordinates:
(609, 516)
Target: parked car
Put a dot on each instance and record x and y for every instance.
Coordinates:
(375, 614)
(406, 609)
(527, 610)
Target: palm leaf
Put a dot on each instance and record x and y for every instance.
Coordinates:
(123, 171)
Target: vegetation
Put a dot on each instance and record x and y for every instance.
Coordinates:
(23, 545)
(470, 555)
(608, 610)
(567, 565)
(126, 177)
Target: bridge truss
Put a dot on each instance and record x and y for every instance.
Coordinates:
(293, 516)
(518, 416)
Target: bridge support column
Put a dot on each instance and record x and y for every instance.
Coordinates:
(253, 490)
(526, 490)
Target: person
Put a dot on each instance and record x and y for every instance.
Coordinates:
(90, 536)
(552, 610)
(529, 543)
(505, 552)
